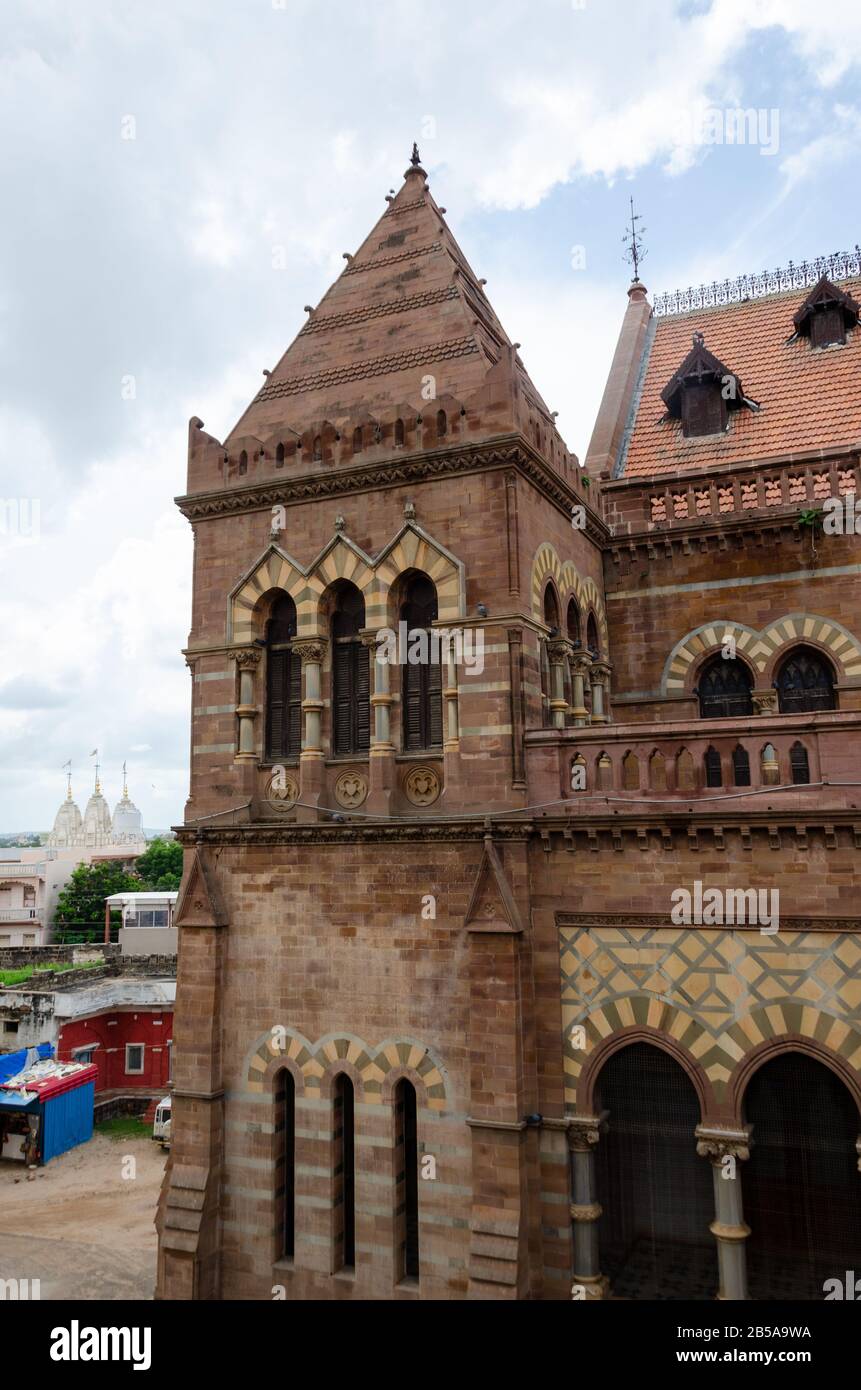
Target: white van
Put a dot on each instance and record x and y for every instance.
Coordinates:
(161, 1124)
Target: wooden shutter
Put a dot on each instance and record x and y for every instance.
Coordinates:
(293, 731)
(276, 699)
(341, 698)
(283, 704)
(412, 707)
(434, 705)
(362, 697)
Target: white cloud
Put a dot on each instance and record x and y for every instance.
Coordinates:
(260, 127)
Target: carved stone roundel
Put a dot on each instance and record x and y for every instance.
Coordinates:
(282, 791)
(422, 786)
(351, 789)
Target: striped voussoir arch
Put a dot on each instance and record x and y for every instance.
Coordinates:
(760, 648)
(570, 583)
(719, 1055)
(314, 1060)
(342, 559)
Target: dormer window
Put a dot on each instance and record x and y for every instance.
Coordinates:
(826, 315)
(703, 392)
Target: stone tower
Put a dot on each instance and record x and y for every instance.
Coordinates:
(431, 854)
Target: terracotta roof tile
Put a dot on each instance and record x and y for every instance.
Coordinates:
(809, 398)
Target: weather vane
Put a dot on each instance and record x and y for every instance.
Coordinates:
(635, 251)
(415, 159)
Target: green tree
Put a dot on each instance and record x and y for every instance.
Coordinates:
(160, 868)
(82, 901)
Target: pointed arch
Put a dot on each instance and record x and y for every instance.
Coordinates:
(569, 583)
(761, 650)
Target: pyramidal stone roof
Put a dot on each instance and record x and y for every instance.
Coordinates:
(406, 307)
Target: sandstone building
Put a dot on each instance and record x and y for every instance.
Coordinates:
(442, 1029)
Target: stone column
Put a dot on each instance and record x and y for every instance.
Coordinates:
(726, 1148)
(382, 760)
(600, 677)
(580, 668)
(583, 1135)
(247, 660)
(558, 654)
(764, 701)
(311, 759)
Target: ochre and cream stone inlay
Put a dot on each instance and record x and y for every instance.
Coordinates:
(410, 549)
(314, 1060)
(718, 993)
(760, 647)
(569, 584)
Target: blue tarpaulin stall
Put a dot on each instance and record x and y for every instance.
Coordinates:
(58, 1098)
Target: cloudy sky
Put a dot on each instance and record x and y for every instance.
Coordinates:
(159, 157)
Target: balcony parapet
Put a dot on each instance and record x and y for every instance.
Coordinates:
(805, 755)
(781, 488)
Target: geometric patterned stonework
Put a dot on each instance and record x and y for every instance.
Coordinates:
(341, 558)
(759, 647)
(372, 1064)
(718, 993)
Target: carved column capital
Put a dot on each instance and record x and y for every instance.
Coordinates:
(764, 701)
(581, 664)
(601, 672)
(558, 651)
(718, 1144)
(312, 651)
(247, 658)
(584, 1132)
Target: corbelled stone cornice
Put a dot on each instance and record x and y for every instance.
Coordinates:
(508, 451)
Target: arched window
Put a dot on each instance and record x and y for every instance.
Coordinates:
(604, 772)
(741, 767)
(805, 683)
(631, 772)
(551, 610)
(724, 689)
(344, 1175)
(285, 1165)
(441, 424)
(406, 1181)
(399, 434)
(283, 683)
(351, 717)
(573, 622)
(714, 776)
(243, 462)
(357, 440)
(318, 450)
(279, 456)
(799, 764)
(422, 680)
(592, 636)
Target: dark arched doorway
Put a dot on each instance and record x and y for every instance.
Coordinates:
(656, 1194)
(802, 1188)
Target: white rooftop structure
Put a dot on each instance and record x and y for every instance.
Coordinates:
(97, 828)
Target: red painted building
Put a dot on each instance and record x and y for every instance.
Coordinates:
(130, 1049)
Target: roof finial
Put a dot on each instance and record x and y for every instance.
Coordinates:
(635, 252)
(67, 768)
(415, 159)
(125, 785)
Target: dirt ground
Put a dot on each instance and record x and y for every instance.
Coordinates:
(81, 1227)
